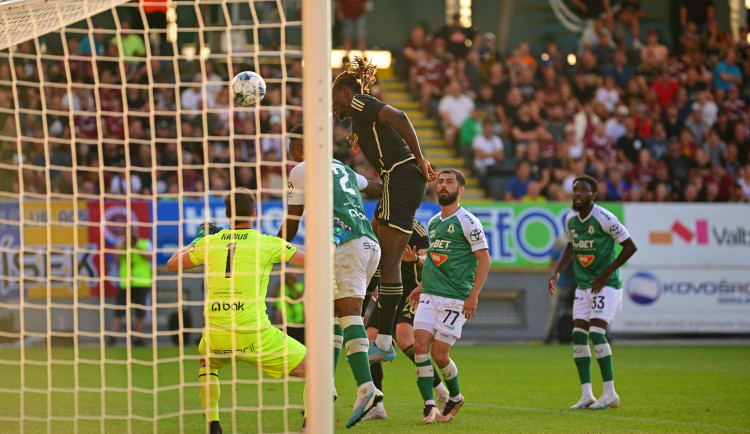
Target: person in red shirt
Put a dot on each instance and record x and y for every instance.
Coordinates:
(430, 79)
(666, 88)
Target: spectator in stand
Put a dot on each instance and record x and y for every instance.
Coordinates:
(604, 50)
(696, 11)
(742, 139)
(533, 193)
(617, 187)
(454, 108)
(131, 43)
(500, 88)
(628, 146)
(555, 123)
(191, 99)
(615, 126)
(671, 122)
(488, 151)
(697, 126)
(653, 55)
(731, 160)
(520, 60)
(524, 130)
(666, 88)
(744, 181)
(727, 73)
(657, 145)
(678, 165)
(692, 84)
(733, 106)
(642, 122)
(488, 54)
(413, 51)
(717, 175)
(459, 39)
(600, 150)
(429, 77)
(620, 70)
(572, 148)
(688, 144)
(585, 121)
(608, 95)
(353, 17)
(643, 173)
(662, 193)
(518, 185)
(471, 128)
(704, 103)
(630, 14)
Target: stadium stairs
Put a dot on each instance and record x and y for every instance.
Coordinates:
(428, 130)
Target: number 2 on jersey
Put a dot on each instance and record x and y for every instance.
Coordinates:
(230, 259)
(337, 169)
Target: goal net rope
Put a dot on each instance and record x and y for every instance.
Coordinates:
(118, 138)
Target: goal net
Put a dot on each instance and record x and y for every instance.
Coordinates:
(118, 138)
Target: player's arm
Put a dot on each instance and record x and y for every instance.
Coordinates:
(370, 188)
(291, 224)
(401, 124)
(483, 269)
(297, 259)
(628, 249)
(561, 264)
(181, 256)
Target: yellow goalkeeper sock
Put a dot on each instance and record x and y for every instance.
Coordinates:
(210, 392)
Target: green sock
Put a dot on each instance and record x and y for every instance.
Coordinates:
(450, 376)
(338, 342)
(409, 352)
(425, 374)
(582, 354)
(603, 353)
(357, 344)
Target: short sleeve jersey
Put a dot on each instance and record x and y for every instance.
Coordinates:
(381, 144)
(593, 240)
(451, 264)
(238, 263)
(347, 200)
(138, 275)
(411, 272)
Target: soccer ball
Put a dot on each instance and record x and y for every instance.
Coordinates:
(249, 88)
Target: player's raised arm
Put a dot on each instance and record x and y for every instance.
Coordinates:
(400, 123)
(370, 188)
(181, 256)
(289, 228)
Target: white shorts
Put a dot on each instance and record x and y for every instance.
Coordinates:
(605, 305)
(440, 316)
(354, 263)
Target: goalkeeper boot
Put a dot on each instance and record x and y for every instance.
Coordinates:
(375, 354)
(377, 412)
(450, 410)
(431, 414)
(611, 400)
(366, 401)
(215, 427)
(585, 402)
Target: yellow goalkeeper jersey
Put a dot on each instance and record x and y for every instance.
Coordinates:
(238, 263)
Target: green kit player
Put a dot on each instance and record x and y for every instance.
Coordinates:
(455, 270)
(355, 262)
(238, 263)
(591, 233)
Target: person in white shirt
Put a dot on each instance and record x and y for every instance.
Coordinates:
(488, 149)
(615, 126)
(454, 108)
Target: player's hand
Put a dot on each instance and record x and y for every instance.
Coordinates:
(427, 171)
(599, 282)
(340, 231)
(204, 227)
(470, 306)
(354, 141)
(552, 282)
(410, 254)
(413, 298)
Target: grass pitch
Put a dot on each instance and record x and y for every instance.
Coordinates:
(508, 388)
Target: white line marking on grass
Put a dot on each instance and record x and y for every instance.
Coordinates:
(607, 415)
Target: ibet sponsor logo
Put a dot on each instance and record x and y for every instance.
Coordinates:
(645, 288)
(225, 306)
(701, 234)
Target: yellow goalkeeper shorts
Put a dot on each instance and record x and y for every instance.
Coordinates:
(275, 352)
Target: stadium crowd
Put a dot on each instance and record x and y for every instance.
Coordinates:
(650, 123)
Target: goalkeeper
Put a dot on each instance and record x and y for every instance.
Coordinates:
(238, 262)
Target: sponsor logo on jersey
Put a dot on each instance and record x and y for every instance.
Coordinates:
(218, 307)
(615, 230)
(438, 258)
(591, 230)
(583, 244)
(476, 234)
(585, 260)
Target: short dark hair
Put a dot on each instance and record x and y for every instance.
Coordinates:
(590, 180)
(242, 201)
(459, 176)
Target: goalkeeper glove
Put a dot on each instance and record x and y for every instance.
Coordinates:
(340, 231)
(212, 229)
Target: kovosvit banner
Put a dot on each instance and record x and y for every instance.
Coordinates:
(519, 235)
(691, 273)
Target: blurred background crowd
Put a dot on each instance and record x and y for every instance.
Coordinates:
(651, 122)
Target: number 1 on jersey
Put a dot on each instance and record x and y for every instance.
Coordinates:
(230, 259)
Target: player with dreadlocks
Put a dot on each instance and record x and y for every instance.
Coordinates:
(388, 140)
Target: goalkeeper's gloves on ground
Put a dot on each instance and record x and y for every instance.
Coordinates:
(211, 227)
(340, 231)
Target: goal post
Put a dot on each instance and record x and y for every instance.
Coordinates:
(117, 127)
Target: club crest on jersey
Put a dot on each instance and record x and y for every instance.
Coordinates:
(438, 258)
(585, 260)
(591, 230)
(451, 229)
